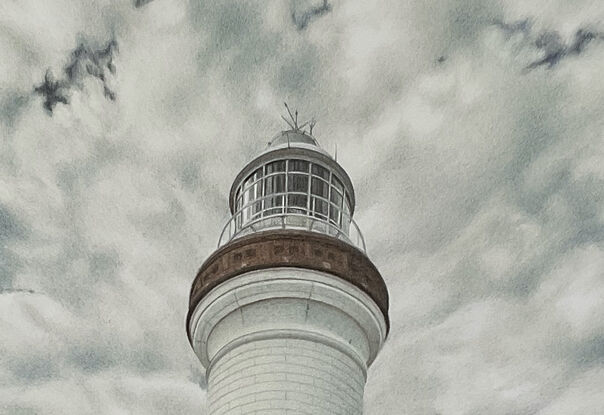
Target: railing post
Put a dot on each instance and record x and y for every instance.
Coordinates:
(357, 240)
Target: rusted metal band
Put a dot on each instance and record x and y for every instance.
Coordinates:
(290, 248)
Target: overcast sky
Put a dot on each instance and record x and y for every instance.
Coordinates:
(473, 132)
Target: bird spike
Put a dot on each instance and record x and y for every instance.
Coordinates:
(303, 125)
(293, 120)
(311, 125)
(287, 122)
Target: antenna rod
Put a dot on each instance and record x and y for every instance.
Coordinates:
(293, 121)
(287, 122)
(289, 112)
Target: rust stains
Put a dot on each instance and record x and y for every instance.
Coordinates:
(290, 248)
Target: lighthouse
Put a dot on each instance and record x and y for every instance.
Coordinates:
(289, 312)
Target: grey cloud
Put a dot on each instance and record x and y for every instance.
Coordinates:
(196, 376)
(9, 265)
(131, 201)
(299, 72)
(587, 353)
(303, 14)
(11, 229)
(16, 290)
(95, 357)
(100, 354)
(20, 410)
(86, 61)
(550, 43)
(554, 48)
(11, 105)
(35, 369)
(248, 55)
(54, 91)
(141, 3)
(236, 36)
(10, 226)
(511, 28)
(104, 264)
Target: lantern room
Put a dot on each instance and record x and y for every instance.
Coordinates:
(293, 184)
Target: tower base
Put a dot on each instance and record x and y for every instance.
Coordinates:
(285, 375)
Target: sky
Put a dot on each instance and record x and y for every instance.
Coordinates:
(472, 131)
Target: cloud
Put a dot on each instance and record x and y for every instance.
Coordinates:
(521, 26)
(479, 188)
(11, 229)
(53, 91)
(141, 3)
(17, 290)
(303, 14)
(550, 44)
(11, 106)
(85, 62)
(554, 49)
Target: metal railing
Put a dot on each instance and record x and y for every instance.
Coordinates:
(349, 232)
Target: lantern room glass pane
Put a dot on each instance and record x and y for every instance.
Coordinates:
(256, 209)
(346, 206)
(298, 165)
(274, 184)
(319, 208)
(257, 190)
(273, 205)
(257, 174)
(336, 198)
(275, 166)
(297, 183)
(337, 184)
(320, 171)
(248, 196)
(319, 187)
(334, 214)
(297, 203)
(247, 214)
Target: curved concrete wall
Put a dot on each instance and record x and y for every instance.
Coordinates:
(286, 340)
(285, 376)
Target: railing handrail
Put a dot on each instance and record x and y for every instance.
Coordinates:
(311, 220)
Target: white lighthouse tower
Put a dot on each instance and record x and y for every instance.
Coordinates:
(289, 312)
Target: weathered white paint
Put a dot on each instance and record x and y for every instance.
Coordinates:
(286, 340)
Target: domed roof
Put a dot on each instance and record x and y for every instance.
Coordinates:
(295, 139)
(292, 137)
